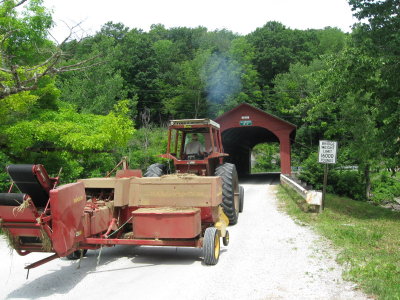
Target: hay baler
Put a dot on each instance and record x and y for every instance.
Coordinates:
(179, 210)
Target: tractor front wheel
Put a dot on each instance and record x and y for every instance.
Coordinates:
(230, 191)
(225, 239)
(211, 246)
(155, 170)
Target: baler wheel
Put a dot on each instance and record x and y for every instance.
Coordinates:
(211, 246)
(225, 239)
(230, 186)
(241, 198)
(76, 254)
(155, 170)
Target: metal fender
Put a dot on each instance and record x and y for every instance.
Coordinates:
(67, 204)
(222, 222)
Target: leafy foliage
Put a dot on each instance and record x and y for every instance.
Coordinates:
(385, 188)
(145, 146)
(70, 140)
(266, 158)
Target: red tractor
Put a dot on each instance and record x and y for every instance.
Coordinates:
(209, 161)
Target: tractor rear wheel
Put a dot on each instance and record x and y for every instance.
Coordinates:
(230, 187)
(76, 254)
(211, 246)
(155, 170)
(241, 198)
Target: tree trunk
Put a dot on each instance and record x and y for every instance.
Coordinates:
(367, 182)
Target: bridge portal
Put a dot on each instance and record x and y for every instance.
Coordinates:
(245, 126)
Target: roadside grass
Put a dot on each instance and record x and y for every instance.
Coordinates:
(367, 237)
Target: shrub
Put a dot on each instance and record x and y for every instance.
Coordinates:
(312, 172)
(341, 182)
(146, 145)
(385, 188)
(348, 183)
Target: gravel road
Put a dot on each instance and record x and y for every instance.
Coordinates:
(269, 257)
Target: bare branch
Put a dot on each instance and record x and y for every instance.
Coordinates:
(71, 32)
(5, 70)
(26, 79)
(79, 63)
(11, 91)
(17, 4)
(50, 64)
(14, 72)
(44, 63)
(81, 68)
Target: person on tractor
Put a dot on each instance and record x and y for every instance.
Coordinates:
(194, 149)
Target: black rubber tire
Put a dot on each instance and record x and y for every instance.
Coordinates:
(211, 246)
(241, 198)
(225, 239)
(155, 170)
(76, 254)
(230, 186)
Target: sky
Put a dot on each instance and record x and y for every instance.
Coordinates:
(241, 17)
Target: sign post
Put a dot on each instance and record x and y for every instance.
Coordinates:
(326, 155)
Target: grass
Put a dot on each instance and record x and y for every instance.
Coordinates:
(368, 239)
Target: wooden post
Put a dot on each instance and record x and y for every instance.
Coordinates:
(321, 207)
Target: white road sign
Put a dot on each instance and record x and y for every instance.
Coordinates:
(327, 152)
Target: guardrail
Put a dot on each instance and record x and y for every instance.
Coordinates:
(311, 196)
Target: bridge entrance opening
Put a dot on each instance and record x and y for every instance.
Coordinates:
(245, 126)
(239, 143)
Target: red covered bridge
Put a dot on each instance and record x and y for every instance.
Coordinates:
(245, 126)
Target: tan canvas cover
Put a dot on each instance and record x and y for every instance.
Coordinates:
(176, 191)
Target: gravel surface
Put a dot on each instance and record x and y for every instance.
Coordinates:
(269, 257)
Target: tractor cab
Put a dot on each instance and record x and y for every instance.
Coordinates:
(207, 152)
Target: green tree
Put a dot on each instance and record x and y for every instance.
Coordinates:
(242, 53)
(291, 87)
(96, 90)
(189, 99)
(331, 40)
(277, 47)
(346, 106)
(379, 36)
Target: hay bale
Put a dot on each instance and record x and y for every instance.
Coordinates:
(12, 241)
(25, 204)
(47, 246)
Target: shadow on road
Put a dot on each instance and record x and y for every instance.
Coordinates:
(260, 178)
(64, 279)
